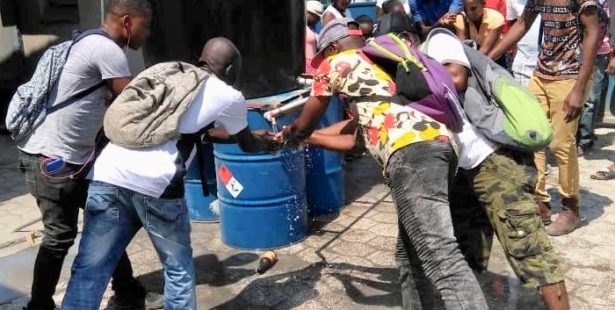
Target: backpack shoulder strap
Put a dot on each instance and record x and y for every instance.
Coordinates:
(408, 56)
(75, 97)
(78, 36)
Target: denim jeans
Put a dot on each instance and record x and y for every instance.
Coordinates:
(113, 215)
(419, 176)
(585, 134)
(59, 201)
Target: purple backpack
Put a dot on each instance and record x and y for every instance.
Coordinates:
(422, 82)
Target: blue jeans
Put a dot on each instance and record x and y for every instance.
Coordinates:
(419, 176)
(585, 134)
(113, 215)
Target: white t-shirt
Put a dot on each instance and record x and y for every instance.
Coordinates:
(405, 3)
(527, 48)
(331, 9)
(158, 171)
(473, 146)
(70, 133)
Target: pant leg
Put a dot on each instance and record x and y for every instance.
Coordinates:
(419, 177)
(472, 228)
(58, 202)
(166, 221)
(504, 183)
(110, 224)
(416, 289)
(585, 134)
(537, 87)
(563, 145)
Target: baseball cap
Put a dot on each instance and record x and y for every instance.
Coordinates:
(314, 7)
(445, 47)
(335, 30)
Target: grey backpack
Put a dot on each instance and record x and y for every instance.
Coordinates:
(148, 111)
(30, 103)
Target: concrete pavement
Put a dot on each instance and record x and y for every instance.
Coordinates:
(345, 263)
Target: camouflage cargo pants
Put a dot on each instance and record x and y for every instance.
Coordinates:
(504, 184)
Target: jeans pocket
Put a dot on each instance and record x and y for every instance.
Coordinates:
(522, 231)
(101, 209)
(165, 216)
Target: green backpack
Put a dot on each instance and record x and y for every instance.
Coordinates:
(502, 110)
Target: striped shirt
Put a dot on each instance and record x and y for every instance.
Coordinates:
(560, 57)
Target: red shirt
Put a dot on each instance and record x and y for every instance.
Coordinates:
(500, 6)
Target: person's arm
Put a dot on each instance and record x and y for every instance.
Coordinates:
(336, 143)
(327, 17)
(252, 143)
(306, 123)
(339, 137)
(573, 104)
(249, 141)
(491, 39)
(460, 27)
(220, 135)
(515, 33)
(117, 85)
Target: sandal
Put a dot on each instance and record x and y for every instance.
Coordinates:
(605, 174)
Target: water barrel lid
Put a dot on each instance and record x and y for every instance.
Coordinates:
(275, 101)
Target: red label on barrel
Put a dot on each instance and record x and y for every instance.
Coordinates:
(225, 174)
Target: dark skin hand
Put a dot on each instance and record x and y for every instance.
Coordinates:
(305, 124)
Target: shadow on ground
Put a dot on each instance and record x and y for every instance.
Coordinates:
(592, 204)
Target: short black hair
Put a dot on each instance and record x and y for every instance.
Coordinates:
(128, 6)
(364, 19)
(387, 6)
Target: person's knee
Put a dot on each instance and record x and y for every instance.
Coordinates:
(59, 241)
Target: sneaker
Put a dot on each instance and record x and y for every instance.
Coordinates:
(567, 221)
(544, 211)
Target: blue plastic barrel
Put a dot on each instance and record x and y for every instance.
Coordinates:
(265, 205)
(199, 205)
(324, 171)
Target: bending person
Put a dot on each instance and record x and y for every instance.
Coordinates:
(418, 160)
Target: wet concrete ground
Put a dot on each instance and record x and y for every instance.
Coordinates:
(347, 260)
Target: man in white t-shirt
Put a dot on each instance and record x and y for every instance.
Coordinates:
(143, 188)
(502, 181)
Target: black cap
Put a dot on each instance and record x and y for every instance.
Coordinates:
(395, 22)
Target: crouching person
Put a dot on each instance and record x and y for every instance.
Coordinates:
(502, 181)
(138, 178)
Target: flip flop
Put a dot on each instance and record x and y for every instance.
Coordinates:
(605, 174)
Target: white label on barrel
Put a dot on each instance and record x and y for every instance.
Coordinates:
(234, 187)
